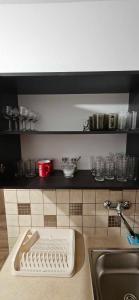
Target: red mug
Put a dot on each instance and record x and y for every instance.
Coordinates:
(45, 167)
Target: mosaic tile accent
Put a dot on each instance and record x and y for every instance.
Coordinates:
(114, 221)
(50, 221)
(79, 209)
(75, 209)
(24, 209)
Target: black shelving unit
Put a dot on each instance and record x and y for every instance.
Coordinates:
(83, 179)
(6, 132)
(65, 83)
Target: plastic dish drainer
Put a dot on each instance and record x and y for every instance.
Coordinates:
(45, 252)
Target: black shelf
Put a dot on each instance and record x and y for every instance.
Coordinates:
(82, 180)
(6, 132)
(70, 82)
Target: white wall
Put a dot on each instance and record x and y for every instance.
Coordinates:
(71, 36)
(68, 112)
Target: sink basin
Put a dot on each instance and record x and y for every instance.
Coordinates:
(115, 274)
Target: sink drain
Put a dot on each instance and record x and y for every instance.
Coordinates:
(130, 297)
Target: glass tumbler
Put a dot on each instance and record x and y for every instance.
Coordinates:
(99, 168)
(109, 168)
(30, 168)
(131, 168)
(122, 120)
(121, 168)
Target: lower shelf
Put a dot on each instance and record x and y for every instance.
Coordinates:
(82, 180)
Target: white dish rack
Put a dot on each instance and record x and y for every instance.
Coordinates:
(45, 252)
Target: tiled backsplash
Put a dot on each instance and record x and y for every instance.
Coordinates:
(79, 209)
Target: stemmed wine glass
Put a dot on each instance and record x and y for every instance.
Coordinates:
(7, 113)
(15, 116)
(23, 116)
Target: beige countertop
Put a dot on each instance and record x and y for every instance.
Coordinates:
(46, 288)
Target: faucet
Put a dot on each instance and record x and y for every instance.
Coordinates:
(119, 207)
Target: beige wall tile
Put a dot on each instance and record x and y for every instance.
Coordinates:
(63, 221)
(10, 196)
(101, 221)
(89, 196)
(36, 209)
(89, 231)
(62, 196)
(89, 209)
(76, 221)
(101, 232)
(25, 220)
(76, 196)
(116, 196)
(11, 243)
(49, 196)
(12, 220)
(23, 229)
(114, 232)
(23, 196)
(36, 196)
(37, 220)
(137, 197)
(13, 231)
(11, 208)
(88, 221)
(62, 209)
(130, 220)
(136, 222)
(124, 232)
(49, 209)
(102, 195)
(130, 211)
(101, 210)
(129, 195)
(78, 229)
(137, 209)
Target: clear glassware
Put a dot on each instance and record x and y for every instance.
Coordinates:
(36, 118)
(68, 170)
(92, 165)
(23, 116)
(122, 120)
(109, 168)
(121, 167)
(15, 116)
(30, 168)
(7, 113)
(131, 168)
(98, 121)
(99, 168)
(20, 169)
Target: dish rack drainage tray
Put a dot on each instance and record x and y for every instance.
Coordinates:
(45, 252)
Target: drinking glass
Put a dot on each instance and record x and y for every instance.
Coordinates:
(68, 170)
(109, 168)
(23, 116)
(30, 168)
(98, 121)
(7, 113)
(15, 116)
(99, 168)
(121, 167)
(131, 168)
(122, 120)
(20, 170)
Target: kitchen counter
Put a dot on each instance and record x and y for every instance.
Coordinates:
(46, 288)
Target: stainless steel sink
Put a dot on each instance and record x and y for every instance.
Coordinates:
(115, 274)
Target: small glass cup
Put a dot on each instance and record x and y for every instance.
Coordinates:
(99, 168)
(68, 170)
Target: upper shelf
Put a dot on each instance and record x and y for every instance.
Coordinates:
(70, 82)
(6, 132)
